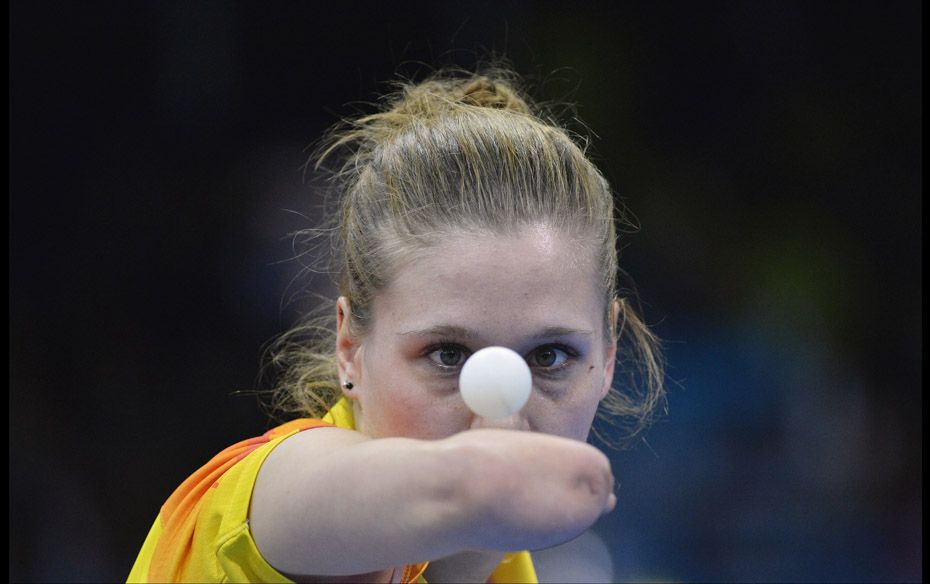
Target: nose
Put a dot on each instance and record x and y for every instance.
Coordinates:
(515, 422)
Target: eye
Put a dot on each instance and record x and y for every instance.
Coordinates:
(448, 356)
(549, 357)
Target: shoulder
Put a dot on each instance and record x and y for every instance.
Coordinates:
(206, 518)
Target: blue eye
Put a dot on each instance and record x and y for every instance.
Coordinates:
(551, 357)
(448, 356)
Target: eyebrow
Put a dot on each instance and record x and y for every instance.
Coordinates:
(469, 335)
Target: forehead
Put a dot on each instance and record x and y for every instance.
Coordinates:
(501, 283)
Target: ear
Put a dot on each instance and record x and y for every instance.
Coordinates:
(610, 358)
(348, 355)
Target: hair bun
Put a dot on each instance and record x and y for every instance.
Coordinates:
(445, 91)
(484, 92)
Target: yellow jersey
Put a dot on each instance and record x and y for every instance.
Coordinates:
(202, 531)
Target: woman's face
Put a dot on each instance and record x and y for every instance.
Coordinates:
(535, 291)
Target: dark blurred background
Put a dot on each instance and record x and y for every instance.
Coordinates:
(769, 150)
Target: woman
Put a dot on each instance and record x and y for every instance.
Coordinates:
(467, 221)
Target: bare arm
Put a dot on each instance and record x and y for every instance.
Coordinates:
(333, 502)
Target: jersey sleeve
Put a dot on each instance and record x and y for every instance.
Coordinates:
(201, 533)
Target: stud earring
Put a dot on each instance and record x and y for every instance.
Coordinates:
(348, 384)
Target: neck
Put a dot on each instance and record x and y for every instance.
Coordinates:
(464, 567)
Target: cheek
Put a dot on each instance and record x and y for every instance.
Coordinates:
(559, 419)
(399, 405)
(389, 412)
(570, 414)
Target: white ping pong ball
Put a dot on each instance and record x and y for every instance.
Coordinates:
(495, 382)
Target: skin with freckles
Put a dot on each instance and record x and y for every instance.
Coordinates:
(534, 290)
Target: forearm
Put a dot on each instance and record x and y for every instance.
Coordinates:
(373, 504)
(368, 506)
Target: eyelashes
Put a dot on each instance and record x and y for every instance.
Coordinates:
(448, 355)
(549, 359)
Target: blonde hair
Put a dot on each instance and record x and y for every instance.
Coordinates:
(457, 151)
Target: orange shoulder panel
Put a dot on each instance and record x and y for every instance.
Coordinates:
(179, 513)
